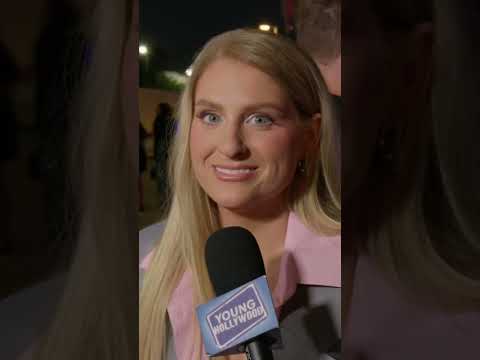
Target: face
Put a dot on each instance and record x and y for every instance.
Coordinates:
(318, 32)
(330, 66)
(246, 137)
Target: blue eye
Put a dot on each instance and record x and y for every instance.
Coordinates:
(260, 120)
(210, 118)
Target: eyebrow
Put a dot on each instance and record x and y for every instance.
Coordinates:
(212, 104)
(208, 103)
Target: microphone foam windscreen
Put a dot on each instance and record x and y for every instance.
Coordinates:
(233, 258)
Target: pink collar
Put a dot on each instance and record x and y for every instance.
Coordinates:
(309, 259)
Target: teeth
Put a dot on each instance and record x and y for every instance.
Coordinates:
(234, 172)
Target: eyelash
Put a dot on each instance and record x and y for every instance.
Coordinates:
(261, 116)
(203, 114)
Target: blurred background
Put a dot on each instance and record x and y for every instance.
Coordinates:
(43, 52)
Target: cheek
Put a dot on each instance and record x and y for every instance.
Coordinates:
(195, 147)
(198, 140)
(283, 149)
(200, 146)
(195, 142)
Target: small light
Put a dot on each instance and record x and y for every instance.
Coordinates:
(188, 72)
(143, 50)
(264, 27)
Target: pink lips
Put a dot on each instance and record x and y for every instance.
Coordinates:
(234, 173)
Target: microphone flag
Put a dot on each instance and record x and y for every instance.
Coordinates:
(237, 316)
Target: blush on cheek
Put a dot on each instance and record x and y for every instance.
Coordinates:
(195, 141)
(280, 153)
(198, 150)
(283, 144)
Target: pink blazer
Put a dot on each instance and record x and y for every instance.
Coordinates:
(308, 259)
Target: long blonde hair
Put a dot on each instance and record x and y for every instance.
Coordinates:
(193, 217)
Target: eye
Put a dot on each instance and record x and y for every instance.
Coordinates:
(210, 118)
(260, 120)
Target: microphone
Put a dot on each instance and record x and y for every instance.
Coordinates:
(242, 315)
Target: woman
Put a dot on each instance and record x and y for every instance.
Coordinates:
(248, 152)
(412, 266)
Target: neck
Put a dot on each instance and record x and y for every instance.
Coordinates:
(269, 228)
(262, 225)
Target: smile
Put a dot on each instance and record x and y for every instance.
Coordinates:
(234, 174)
(234, 171)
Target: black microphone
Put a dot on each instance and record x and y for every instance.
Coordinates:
(233, 259)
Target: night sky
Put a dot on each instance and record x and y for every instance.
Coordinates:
(176, 30)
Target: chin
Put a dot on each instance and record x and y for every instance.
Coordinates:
(233, 202)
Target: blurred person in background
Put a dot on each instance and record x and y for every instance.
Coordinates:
(316, 25)
(142, 164)
(162, 126)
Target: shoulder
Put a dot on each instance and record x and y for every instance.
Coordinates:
(148, 238)
(298, 229)
(316, 258)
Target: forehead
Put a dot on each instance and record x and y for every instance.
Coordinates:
(231, 81)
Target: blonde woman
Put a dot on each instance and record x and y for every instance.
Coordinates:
(254, 148)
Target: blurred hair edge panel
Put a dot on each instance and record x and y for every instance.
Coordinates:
(69, 289)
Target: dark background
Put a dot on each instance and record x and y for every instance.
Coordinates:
(176, 30)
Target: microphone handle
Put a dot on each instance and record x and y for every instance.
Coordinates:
(258, 350)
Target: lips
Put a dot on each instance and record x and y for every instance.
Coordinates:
(234, 173)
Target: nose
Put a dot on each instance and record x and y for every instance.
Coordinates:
(232, 142)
